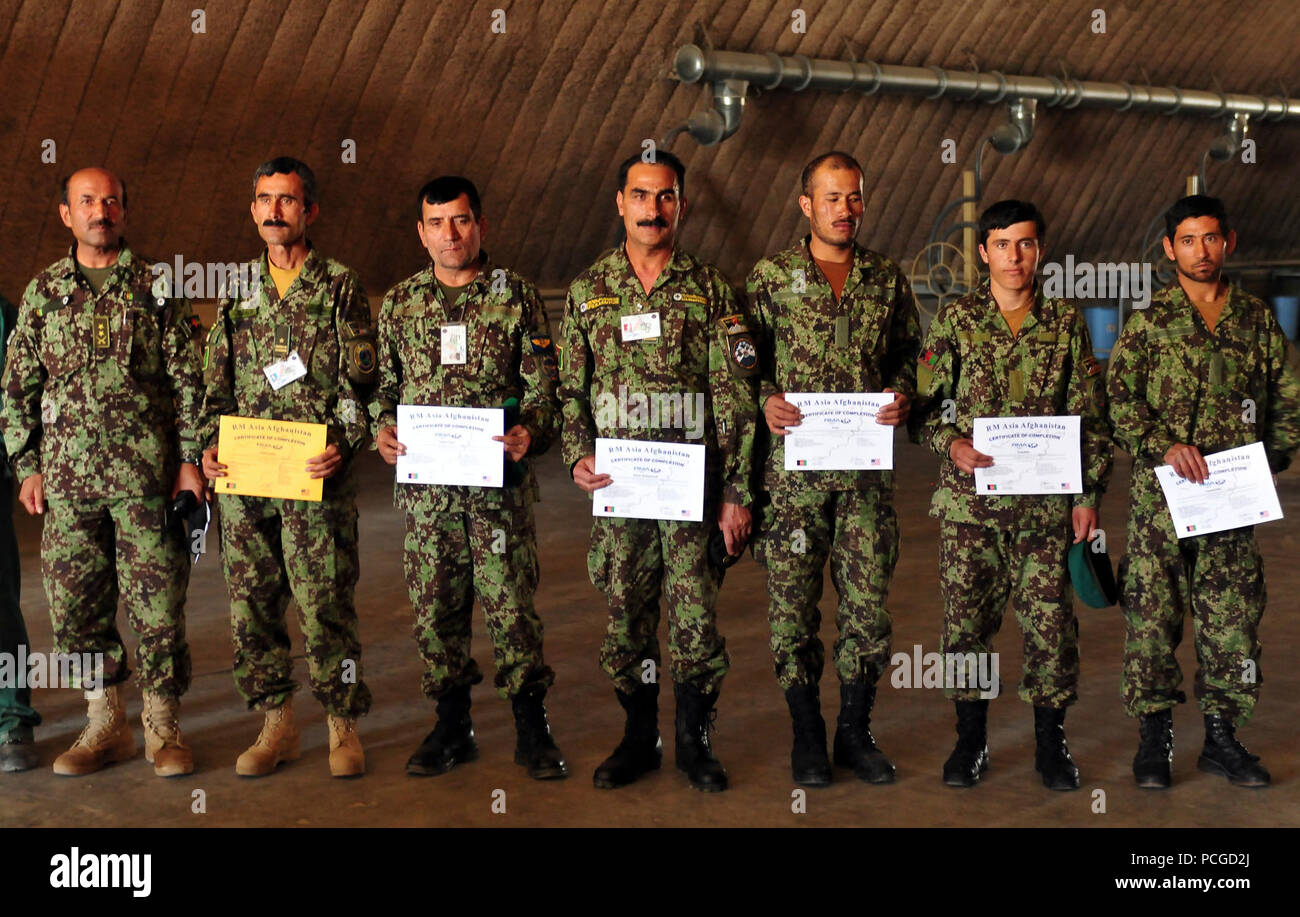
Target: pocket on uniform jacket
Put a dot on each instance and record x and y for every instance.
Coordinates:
(66, 341)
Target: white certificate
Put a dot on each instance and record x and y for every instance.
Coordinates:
(650, 480)
(1238, 492)
(839, 433)
(446, 445)
(1031, 455)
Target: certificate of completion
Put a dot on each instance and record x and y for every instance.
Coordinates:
(1031, 455)
(448, 445)
(839, 433)
(650, 480)
(1238, 492)
(268, 458)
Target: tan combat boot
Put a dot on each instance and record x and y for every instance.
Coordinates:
(346, 757)
(278, 741)
(164, 746)
(106, 739)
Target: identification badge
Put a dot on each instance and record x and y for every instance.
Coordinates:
(640, 325)
(102, 332)
(454, 345)
(281, 373)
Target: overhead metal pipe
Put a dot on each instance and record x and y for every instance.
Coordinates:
(771, 71)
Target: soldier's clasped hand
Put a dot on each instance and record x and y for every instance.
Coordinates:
(211, 467)
(388, 445)
(517, 440)
(780, 414)
(584, 475)
(967, 458)
(1188, 462)
(895, 413)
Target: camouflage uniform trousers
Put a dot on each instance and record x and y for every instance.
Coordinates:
(450, 558)
(981, 568)
(858, 532)
(95, 552)
(275, 550)
(631, 561)
(1219, 578)
(15, 703)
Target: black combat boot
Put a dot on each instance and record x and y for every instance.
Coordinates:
(1225, 756)
(970, 757)
(695, 758)
(536, 750)
(1052, 756)
(809, 765)
(18, 750)
(855, 746)
(640, 751)
(452, 739)
(1153, 763)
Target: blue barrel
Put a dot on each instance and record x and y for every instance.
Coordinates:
(1287, 309)
(1103, 325)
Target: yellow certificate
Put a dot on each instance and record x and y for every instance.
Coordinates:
(268, 458)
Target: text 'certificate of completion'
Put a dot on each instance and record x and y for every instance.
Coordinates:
(1031, 455)
(650, 480)
(839, 433)
(1238, 492)
(447, 445)
(268, 458)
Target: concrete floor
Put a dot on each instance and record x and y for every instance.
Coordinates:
(914, 726)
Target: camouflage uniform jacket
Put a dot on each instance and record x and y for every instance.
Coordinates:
(102, 391)
(325, 317)
(1172, 381)
(1046, 370)
(705, 347)
(509, 355)
(808, 342)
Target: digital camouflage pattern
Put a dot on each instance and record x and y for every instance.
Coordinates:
(995, 548)
(808, 342)
(110, 380)
(276, 549)
(1173, 381)
(112, 377)
(462, 541)
(450, 558)
(866, 341)
(1048, 369)
(510, 355)
(858, 531)
(705, 346)
(996, 565)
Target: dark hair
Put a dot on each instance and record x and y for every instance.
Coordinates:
(657, 158)
(1193, 206)
(67, 178)
(832, 160)
(445, 189)
(287, 165)
(1008, 213)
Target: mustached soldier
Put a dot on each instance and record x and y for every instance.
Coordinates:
(104, 369)
(275, 549)
(1006, 350)
(465, 333)
(693, 340)
(1205, 368)
(832, 317)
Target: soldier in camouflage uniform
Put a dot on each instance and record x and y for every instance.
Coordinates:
(101, 421)
(1006, 350)
(703, 353)
(831, 317)
(466, 540)
(274, 549)
(1205, 368)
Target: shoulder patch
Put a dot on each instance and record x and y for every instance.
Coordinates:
(1091, 366)
(733, 324)
(598, 302)
(546, 354)
(929, 358)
